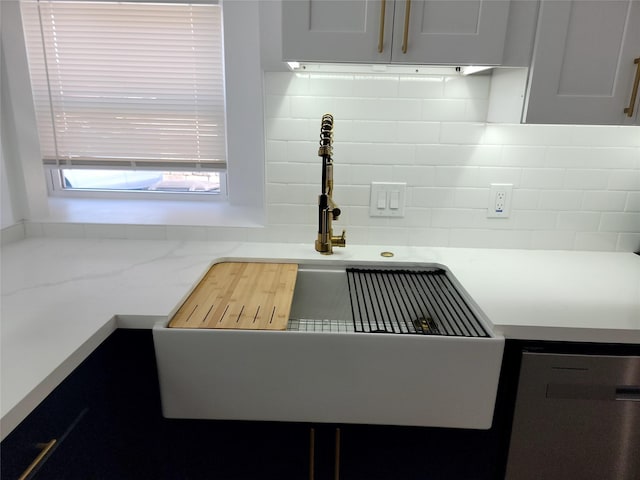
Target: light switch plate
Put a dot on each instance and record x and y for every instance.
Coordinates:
(387, 199)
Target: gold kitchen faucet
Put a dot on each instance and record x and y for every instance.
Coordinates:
(328, 211)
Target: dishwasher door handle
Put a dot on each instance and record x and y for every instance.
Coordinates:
(628, 392)
(591, 391)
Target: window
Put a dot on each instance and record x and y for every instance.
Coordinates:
(128, 90)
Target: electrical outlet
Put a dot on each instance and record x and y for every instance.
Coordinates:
(499, 200)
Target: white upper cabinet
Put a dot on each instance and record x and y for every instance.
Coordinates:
(583, 66)
(337, 30)
(458, 32)
(450, 32)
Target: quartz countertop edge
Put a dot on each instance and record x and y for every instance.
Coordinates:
(62, 297)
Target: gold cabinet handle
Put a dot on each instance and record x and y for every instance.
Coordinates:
(46, 448)
(634, 91)
(312, 452)
(383, 8)
(405, 36)
(336, 468)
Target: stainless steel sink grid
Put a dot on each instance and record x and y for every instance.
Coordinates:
(409, 301)
(404, 301)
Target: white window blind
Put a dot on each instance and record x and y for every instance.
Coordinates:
(127, 84)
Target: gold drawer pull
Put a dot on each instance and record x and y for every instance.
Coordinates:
(46, 448)
(312, 453)
(405, 37)
(634, 91)
(383, 7)
(336, 467)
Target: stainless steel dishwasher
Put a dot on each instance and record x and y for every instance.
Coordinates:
(576, 417)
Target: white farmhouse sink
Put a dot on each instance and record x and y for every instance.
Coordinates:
(331, 375)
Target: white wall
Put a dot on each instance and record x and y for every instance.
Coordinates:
(575, 187)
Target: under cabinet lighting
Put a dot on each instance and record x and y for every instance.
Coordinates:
(377, 68)
(471, 69)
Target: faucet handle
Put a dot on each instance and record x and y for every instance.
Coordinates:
(340, 241)
(336, 213)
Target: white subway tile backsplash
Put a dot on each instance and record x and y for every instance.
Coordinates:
(445, 110)
(289, 129)
(578, 221)
(466, 237)
(453, 217)
(476, 87)
(414, 176)
(296, 214)
(388, 236)
(592, 157)
(476, 176)
(275, 151)
(365, 174)
(575, 187)
(476, 110)
(462, 133)
(553, 239)
(561, 199)
(525, 199)
(534, 220)
(430, 86)
(312, 107)
(285, 83)
(417, 217)
(628, 242)
(418, 132)
(605, 136)
(586, 179)
(432, 197)
(620, 222)
(352, 195)
(400, 109)
(376, 86)
(633, 202)
(287, 193)
(300, 152)
(437, 237)
(277, 106)
(293, 173)
(471, 197)
(604, 201)
(543, 178)
(624, 180)
(333, 85)
(372, 132)
(596, 241)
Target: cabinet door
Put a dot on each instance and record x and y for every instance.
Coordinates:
(451, 32)
(337, 30)
(582, 71)
(414, 453)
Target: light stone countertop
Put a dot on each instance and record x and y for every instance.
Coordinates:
(62, 297)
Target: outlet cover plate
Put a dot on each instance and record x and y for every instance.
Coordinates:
(499, 200)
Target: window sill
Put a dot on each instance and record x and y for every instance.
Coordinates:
(150, 212)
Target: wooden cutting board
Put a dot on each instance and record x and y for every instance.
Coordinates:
(242, 296)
